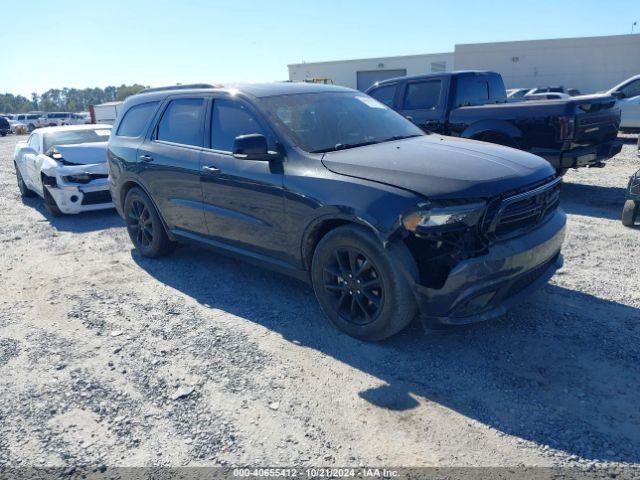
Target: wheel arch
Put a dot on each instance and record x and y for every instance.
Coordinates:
(126, 187)
(498, 128)
(323, 225)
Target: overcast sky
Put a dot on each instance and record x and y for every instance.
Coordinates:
(57, 43)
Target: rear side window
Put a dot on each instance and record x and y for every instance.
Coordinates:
(472, 91)
(229, 120)
(182, 122)
(136, 119)
(385, 94)
(422, 95)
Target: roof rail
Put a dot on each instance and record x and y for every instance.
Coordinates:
(178, 87)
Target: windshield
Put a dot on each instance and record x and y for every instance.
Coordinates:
(73, 137)
(322, 122)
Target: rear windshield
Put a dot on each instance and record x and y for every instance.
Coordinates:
(73, 137)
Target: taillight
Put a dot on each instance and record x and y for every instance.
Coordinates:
(567, 127)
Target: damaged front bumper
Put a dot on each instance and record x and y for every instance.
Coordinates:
(79, 188)
(485, 287)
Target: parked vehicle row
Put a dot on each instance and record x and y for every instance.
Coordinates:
(387, 218)
(571, 133)
(34, 120)
(518, 94)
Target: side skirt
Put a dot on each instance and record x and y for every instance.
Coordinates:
(241, 254)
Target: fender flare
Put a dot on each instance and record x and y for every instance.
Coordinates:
(315, 227)
(500, 127)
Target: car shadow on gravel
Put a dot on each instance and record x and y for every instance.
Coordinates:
(560, 371)
(592, 200)
(79, 223)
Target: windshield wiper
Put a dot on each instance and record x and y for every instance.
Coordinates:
(401, 137)
(344, 146)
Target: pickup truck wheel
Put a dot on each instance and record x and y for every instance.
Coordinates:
(31, 127)
(24, 190)
(629, 213)
(144, 225)
(359, 284)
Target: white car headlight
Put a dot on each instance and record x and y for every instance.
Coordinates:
(432, 217)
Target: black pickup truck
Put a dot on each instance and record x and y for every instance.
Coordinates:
(571, 133)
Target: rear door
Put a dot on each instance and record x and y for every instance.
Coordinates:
(243, 199)
(423, 102)
(170, 156)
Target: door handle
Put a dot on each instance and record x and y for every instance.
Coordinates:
(211, 170)
(146, 158)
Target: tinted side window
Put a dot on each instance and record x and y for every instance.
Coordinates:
(472, 91)
(182, 122)
(422, 95)
(136, 119)
(384, 94)
(229, 120)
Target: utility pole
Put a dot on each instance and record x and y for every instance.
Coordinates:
(633, 26)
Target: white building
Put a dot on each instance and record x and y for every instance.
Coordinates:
(589, 64)
(363, 73)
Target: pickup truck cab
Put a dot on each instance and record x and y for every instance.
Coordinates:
(567, 133)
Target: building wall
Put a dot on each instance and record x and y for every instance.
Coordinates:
(590, 64)
(345, 72)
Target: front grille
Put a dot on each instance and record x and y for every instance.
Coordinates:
(95, 198)
(517, 214)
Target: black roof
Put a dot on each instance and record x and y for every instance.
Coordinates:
(422, 76)
(252, 89)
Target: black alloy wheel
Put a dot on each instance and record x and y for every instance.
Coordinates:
(144, 225)
(362, 286)
(140, 223)
(355, 285)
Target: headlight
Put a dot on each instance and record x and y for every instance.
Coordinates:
(427, 218)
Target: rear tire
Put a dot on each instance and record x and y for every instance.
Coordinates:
(629, 213)
(145, 228)
(359, 284)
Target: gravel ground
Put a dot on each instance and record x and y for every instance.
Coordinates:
(107, 358)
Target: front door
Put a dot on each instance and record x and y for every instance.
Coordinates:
(243, 199)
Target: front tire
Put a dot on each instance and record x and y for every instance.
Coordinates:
(144, 225)
(50, 203)
(24, 190)
(359, 284)
(629, 213)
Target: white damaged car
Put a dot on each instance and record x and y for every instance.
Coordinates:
(66, 166)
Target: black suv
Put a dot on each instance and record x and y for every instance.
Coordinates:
(333, 187)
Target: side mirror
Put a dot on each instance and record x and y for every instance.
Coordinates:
(253, 147)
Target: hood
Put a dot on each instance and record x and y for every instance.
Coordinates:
(442, 167)
(83, 153)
